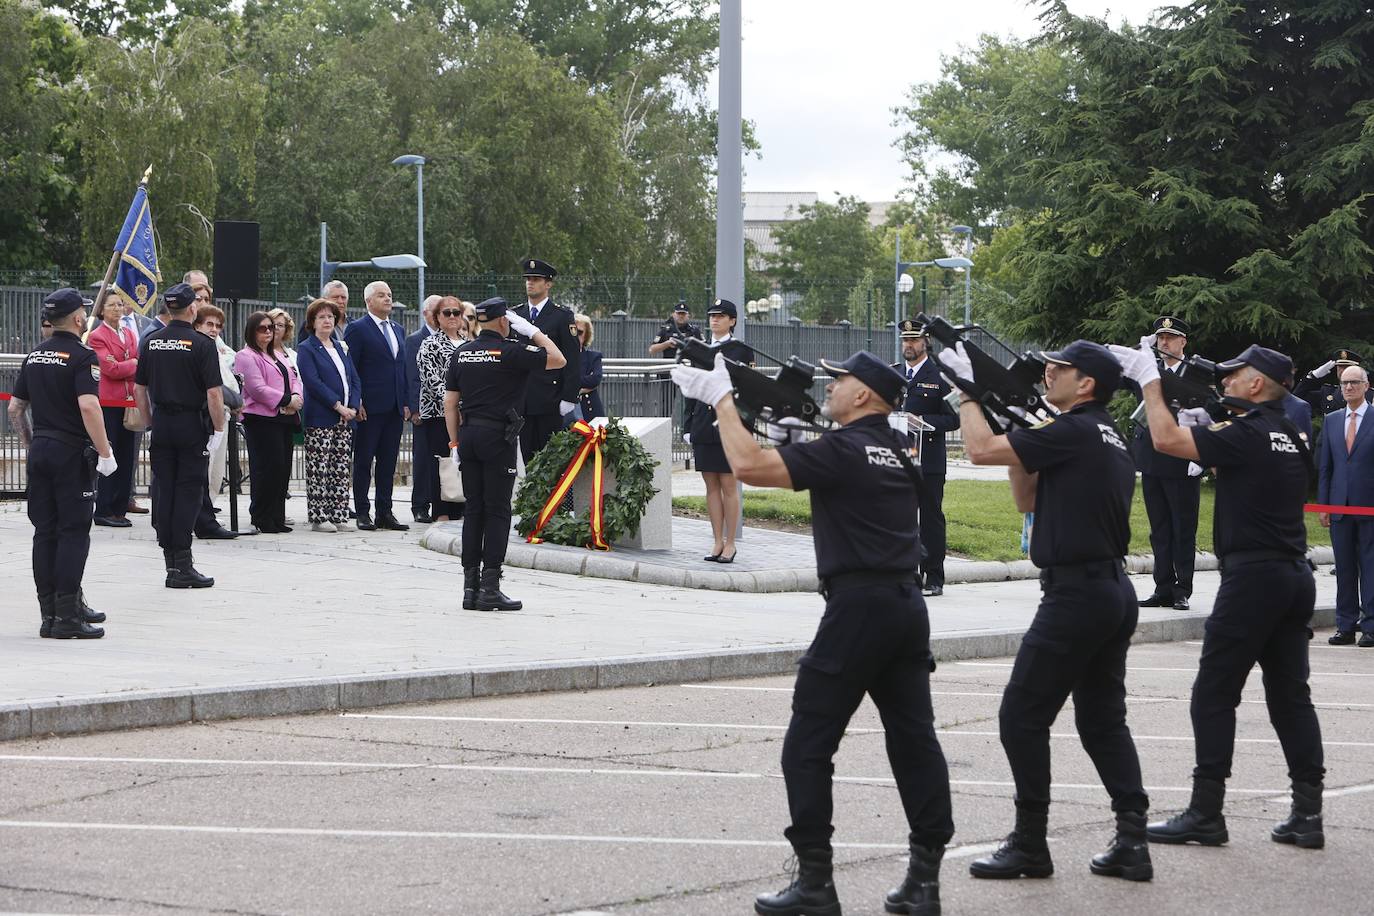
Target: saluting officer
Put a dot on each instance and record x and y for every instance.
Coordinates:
(67, 447)
(485, 377)
(1075, 473)
(550, 394)
(1321, 389)
(1267, 593)
(875, 635)
(925, 397)
(178, 372)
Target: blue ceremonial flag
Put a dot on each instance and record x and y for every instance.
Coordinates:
(137, 276)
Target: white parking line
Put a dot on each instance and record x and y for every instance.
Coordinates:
(1189, 738)
(619, 723)
(1130, 668)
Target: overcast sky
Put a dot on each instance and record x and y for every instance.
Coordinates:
(821, 78)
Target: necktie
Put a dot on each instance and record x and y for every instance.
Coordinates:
(390, 338)
(910, 373)
(1350, 433)
(534, 314)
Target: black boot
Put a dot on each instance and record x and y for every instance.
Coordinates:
(88, 613)
(67, 622)
(919, 892)
(490, 597)
(184, 574)
(1129, 855)
(1303, 828)
(47, 608)
(471, 576)
(1201, 822)
(169, 560)
(1023, 852)
(812, 891)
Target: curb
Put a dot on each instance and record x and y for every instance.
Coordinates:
(145, 709)
(576, 561)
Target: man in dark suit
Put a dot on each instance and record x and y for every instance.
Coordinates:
(551, 394)
(925, 396)
(421, 461)
(376, 344)
(1345, 477)
(1171, 487)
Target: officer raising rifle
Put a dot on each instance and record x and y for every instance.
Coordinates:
(875, 635)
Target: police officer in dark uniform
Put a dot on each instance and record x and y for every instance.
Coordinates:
(1267, 592)
(550, 394)
(678, 325)
(874, 638)
(178, 385)
(1075, 473)
(1321, 389)
(925, 397)
(67, 447)
(1171, 488)
(485, 377)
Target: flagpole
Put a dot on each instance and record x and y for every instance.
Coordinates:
(114, 258)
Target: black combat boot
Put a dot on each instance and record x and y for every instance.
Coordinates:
(1023, 852)
(1303, 827)
(490, 597)
(67, 622)
(47, 607)
(1201, 822)
(471, 576)
(183, 574)
(1129, 855)
(812, 891)
(88, 613)
(919, 892)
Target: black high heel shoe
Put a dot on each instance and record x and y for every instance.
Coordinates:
(721, 558)
(713, 558)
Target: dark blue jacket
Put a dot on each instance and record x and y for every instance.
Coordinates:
(1147, 460)
(1300, 412)
(925, 397)
(591, 378)
(383, 375)
(413, 368)
(1345, 480)
(321, 382)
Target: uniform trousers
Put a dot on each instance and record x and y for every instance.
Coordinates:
(1171, 503)
(61, 496)
(1352, 540)
(1260, 615)
(180, 471)
(874, 640)
(932, 524)
(1076, 646)
(537, 431)
(269, 440)
(328, 471)
(112, 493)
(376, 439)
(488, 469)
(433, 438)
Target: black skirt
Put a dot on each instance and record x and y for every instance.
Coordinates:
(710, 457)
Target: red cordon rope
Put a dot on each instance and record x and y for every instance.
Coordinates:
(1338, 510)
(104, 402)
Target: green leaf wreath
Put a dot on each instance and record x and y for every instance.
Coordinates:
(624, 459)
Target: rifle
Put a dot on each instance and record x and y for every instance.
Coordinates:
(759, 399)
(1007, 394)
(1196, 386)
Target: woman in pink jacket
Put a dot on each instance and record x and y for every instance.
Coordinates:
(116, 349)
(272, 398)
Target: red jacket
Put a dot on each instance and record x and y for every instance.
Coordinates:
(117, 352)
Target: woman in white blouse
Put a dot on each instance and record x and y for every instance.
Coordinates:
(332, 395)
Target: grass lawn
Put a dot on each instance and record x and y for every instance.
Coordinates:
(982, 523)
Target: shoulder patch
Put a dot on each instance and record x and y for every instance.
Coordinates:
(533, 349)
(572, 329)
(1043, 423)
(95, 372)
(1222, 425)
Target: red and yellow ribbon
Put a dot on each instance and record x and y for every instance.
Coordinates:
(592, 440)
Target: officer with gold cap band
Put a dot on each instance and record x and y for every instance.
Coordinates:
(67, 447)
(874, 638)
(1321, 389)
(551, 394)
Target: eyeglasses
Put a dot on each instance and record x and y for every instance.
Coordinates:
(1355, 384)
(452, 313)
(211, 324)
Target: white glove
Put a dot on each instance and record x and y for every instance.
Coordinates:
(700, 385)
(1323, 370)
(521, 325)
(1135, 365)
(1147, 344)
(1194, 469)
(215, 440)
(453, 453)
(106, 466)
(1194, 416)
(786, 430)
(687, 437)
(955, 364)
(567, 407)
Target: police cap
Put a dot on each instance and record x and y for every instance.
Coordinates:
(1346, 357)
(885, 381)
(1268, 362)
(179, 297)
(723, 307)
(1091, 359)
(681, 307)
(911, 329)
(1167, 324)
(491, 309)
(63, 302)
(533, 267)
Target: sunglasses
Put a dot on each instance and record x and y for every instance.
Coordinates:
(263, 328)
(452, 313)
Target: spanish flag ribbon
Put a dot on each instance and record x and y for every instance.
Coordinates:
(593, 439)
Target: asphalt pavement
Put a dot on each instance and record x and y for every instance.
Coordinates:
(644, 800)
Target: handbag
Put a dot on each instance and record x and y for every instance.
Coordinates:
(133, 420)
(450, 481)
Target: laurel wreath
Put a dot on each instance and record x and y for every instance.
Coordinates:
(625, 459)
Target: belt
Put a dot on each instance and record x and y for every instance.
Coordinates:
(484, 422)
(60, 436)
(1074, 572)
(840, 581)
(1239, 557)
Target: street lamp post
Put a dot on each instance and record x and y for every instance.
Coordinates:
(963, 264)
(382, 262)
(419, 163)
(967, 233)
